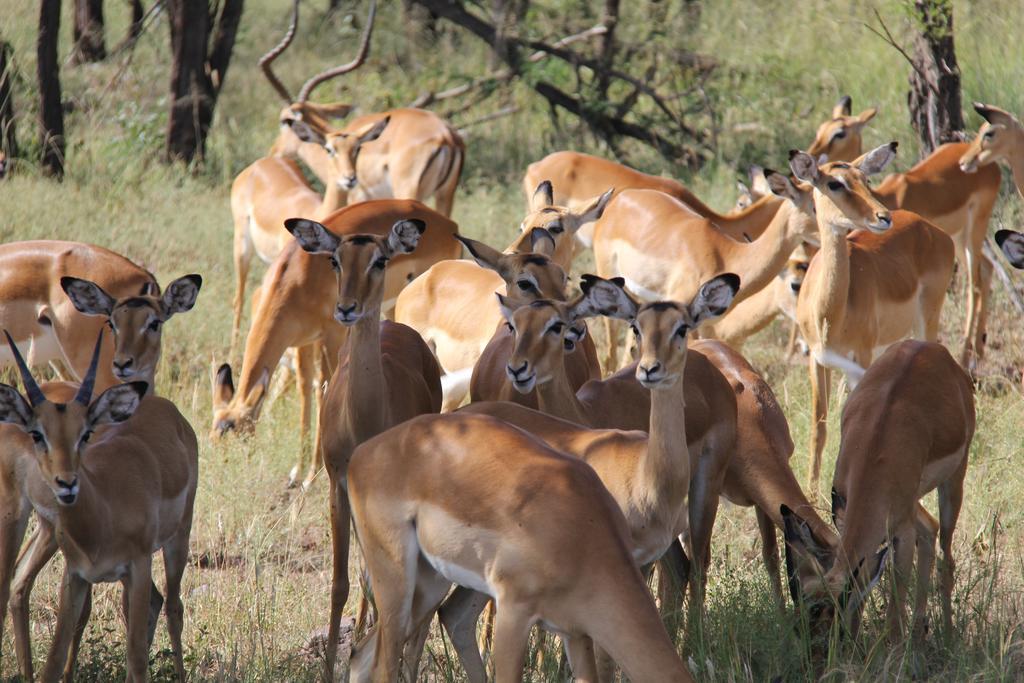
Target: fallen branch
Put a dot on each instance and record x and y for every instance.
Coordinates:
(504, 111)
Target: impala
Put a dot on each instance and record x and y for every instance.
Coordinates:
(388, 376)
(417, 157)
(35, 310)
(867, 290)
(1012, 244)
(296, 310)
(839, 138)
(110, 503)
(1001, 138)
(648, 476)
(552, 548)
(898, 444)
(452, 304)
(665, 251)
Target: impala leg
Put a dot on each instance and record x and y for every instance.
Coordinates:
(76, 643)
(579, 649)
(175, 560)
(820, 377)
(951, 496)
(243, 258)
(139, 585)
(903, 565)
(305, 366)
(770, 553)
(985, 270)
(73, 592)
(341, 518)
(611, 359)
(972, 261)
(13, 520)
(431, 589)
(927, 528)
(41, 547)
(511, 635)
(459, 615)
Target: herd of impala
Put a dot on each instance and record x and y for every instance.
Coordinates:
(565, 479)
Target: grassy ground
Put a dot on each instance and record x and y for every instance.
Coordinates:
(257, 590)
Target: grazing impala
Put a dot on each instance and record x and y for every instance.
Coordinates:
(418, 156)
(35, 310)
(664, 251)
(1001, 138)
(898, 444)
(452, 304)
(388, 376)
(867, 290)
(551, 548)
(296, 309)
(839, 138)
(110, 503)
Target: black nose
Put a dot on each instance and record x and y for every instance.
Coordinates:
(346, 310)
(225, 426)
(515, 371)
(125, 365)
(795, 286)
(651, 370)
(64, 484)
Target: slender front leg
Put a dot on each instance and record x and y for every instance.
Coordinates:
(459, 615)
(341, 518)
(770, 553)
(305, 365)
(511, 634)
(819, 419)
(951, 496)
(140, 581)
(41, 547)
(13, 520)
(580, 651)
(927, 530)
(73, 591)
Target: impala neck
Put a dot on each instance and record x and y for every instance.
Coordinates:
(557, 398)
(829, 297)
(1016, 162)
(667, 465)
(752, 221)
(334, 198)
(316, 159)
(80, 525)
(365, 391)
(758, 262)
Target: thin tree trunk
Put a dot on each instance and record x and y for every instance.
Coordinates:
(934, 99)
(8, 139)
(51, 114)
(88, 31)
(135, 28)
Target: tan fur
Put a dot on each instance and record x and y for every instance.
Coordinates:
(297, 308)
(898, 444)
(840, 138)
(1001, 138)
(500, 529)
(665, 251)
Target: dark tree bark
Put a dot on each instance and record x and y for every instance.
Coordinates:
(88, 32)
(51, 114)
(135, 28)
(934, 98)
(197, 73)
(8, 139)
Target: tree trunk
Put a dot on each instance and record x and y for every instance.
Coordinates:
(135, 28)
(934, 97)
(8, 140)
(88, 31)
(196, 77)
(51, 114)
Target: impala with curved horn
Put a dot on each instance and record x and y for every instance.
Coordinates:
(110, 511)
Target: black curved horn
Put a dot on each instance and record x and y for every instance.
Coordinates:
(84, 394)
(35, 394)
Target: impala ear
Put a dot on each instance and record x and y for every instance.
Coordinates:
(714, 297)
(373, 132)
(1012, 244)
(485, 256)
(604, 297)
(304, 131)
(181, 294)
(541, 242)
(87, 297)
(117, 403)
(507, 305)
(312, 236)
(14, 409)
(877, 159)
(596, 208)
(405, 236)
(780, 186)
(865, 116)
(995, 115)
(838, 506)
(543, 196)
(223, 386)
(333, 110)
(802, 551)
(803, 165)
(843, 107)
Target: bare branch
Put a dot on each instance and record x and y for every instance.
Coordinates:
(888, 38)
(504, 111)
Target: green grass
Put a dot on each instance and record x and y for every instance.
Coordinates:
(257, 591)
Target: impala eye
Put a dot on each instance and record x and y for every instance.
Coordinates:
(557, 328)
(510, 328)
(635, 329)
(334, 264)
(554, 227)
(839, 135)
(836, 186)
(154, 326)
(682, 330)
(990, 134)
(380, 263)
(525, 285)
(37, 436)
(85, 437)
